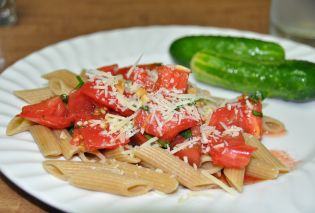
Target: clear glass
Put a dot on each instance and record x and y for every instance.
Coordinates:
(7, 12)
(294, 19)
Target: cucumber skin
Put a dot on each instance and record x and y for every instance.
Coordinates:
(291, 80)
(183, 49)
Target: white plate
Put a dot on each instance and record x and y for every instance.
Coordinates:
(21, 161)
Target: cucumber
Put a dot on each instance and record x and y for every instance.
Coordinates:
(291, 80)
(183, 49)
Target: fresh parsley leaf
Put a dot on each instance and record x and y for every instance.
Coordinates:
(81, 82)
(64, 98)
(164, 144)
(257, 96)
(70, 129)
(257, 114)
(145, 108)
(186, 133)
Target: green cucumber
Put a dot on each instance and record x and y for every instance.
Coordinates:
(291, 80)
(183, 49)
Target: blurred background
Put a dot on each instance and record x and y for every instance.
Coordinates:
(43, 22)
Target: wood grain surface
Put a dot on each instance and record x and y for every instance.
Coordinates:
(44, 22)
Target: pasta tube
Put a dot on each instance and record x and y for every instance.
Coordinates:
(272, 126)
(17, 125)
(262, 153)
(159, 181)
(121, 155)
(235, 177)
(185, 174)
(260, 169)
(46, 141)
(68, 150)
(33, 96)
(67, 76)
(59, 87)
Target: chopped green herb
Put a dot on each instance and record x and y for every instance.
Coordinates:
(186, 134)
(164, 144)
(145, 108)
(81, 82)
(257, 96)
(70, 129)
(147, 136)
(178, 107)
(256, 113)
(64, 98)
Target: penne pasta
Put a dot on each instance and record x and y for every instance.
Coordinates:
(185, 174)
(17, 125)
(235, 177)
(91, 156)
(159, 181)
(83, 75)
(67, 76)
(262, 153)
(46, 141)
(110, 182)
(59, 87)
(209, 167)
(272, 126)
(68, 150)
(260, 169)
(33, 96)
(121, 155)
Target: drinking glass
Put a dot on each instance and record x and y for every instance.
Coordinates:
(7, 12)
(294, 19)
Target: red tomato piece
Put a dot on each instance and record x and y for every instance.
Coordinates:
(147, 67)
(252, 123)
(239, 114)
(108, 100)
(92, 138)
(81, 106)
(230, 152)
(168, 129)
(110, 68)
(143, 74)
(193, 153)
(51, 113)
(172, 77)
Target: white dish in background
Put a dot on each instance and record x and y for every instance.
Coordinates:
(20, 159)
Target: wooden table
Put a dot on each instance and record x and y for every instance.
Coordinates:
(41, 23)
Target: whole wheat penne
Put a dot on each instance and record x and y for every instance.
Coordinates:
(160, 181)
(262, 170)
(33, 96)
(262, 153)
(46, 141)
(83, 75)
(91, 156)
(58, 86)
(185, 174)
(68, 150)
(235, 177)
(272, 126)
(67, 76)
(212, 169)
(110, 182)
(17, 125)
(121, 155)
